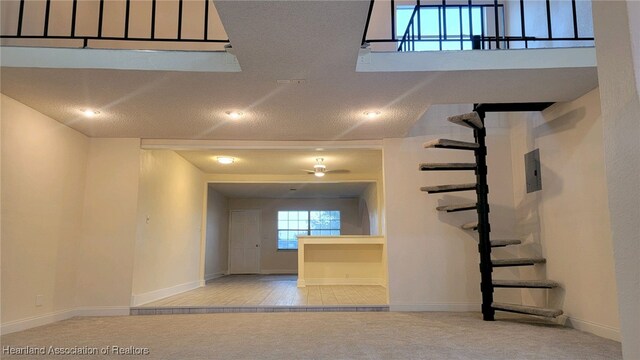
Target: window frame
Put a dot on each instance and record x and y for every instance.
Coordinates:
(309, 230)
(440, 43)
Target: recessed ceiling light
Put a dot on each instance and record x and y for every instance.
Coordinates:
(372, 114)
(90, 112)
(225, 160)
(234, 114)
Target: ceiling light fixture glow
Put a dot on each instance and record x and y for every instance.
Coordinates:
(90, 112)
(319, 168)
(225, 160)
(372, 114)
(234, 114)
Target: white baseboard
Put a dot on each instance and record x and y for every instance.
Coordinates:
(448, 307)
(141, 299)
(342, 281)
(604, 331)
(212, 276)
(44, 319)
(34, 321)
(279, 271)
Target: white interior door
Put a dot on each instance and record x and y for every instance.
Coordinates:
(244, 242)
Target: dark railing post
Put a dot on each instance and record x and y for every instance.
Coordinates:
(549, 30)
(461, 29)
(496, 23)
(126, 18)
(47, 13)
(100, 18)
(366, 25)
(470, 5)
(20, 16)
(393, 19)
(419, 20)
(153, 19)
(206, 21)
(444, 18)
(180, 4)
(484, 229)
(575, 18)
(440, 28)
(522, 25)
(476, 42)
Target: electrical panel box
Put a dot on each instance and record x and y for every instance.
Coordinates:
(532, 171)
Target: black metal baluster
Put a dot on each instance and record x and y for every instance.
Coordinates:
(393, 20)
(20, 16)
(575, 18)
(100, 18)
(470, 5)
(180, 19)
(440, 27)
(74, 11)
(126, 18)
(482, 14)
(153, 19)
(549, 31)
(522, 25)
(444, 18)
(419, 22)
(461, 30)
(497, 23)
(47, 13)
(206, 21)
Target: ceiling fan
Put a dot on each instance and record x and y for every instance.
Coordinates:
(320, 170)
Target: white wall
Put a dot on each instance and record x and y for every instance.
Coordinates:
(433, 264)
(569, 217)
(105, 256)
(68, 228)
(618, 74)
(370, 198)
(274, 261)
(217, 233)
(168, 243)
(43, 181)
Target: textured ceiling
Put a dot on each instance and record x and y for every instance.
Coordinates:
(292, 190)
(313, 40)
(286, 162)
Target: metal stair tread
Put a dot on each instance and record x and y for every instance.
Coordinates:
(517, 262)
(448, 188)
(544, 284)
(470, 226)
(524, 309)
(459, 207)
(447, 166)
(500, 243)
(451, 144)
(470, 120)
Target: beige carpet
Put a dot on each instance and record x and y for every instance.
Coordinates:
(320, 336)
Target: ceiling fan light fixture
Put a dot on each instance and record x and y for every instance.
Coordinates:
(225, 160)
(319, 173)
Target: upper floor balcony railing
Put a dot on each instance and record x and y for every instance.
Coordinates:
(465, 25)
(119, 24)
